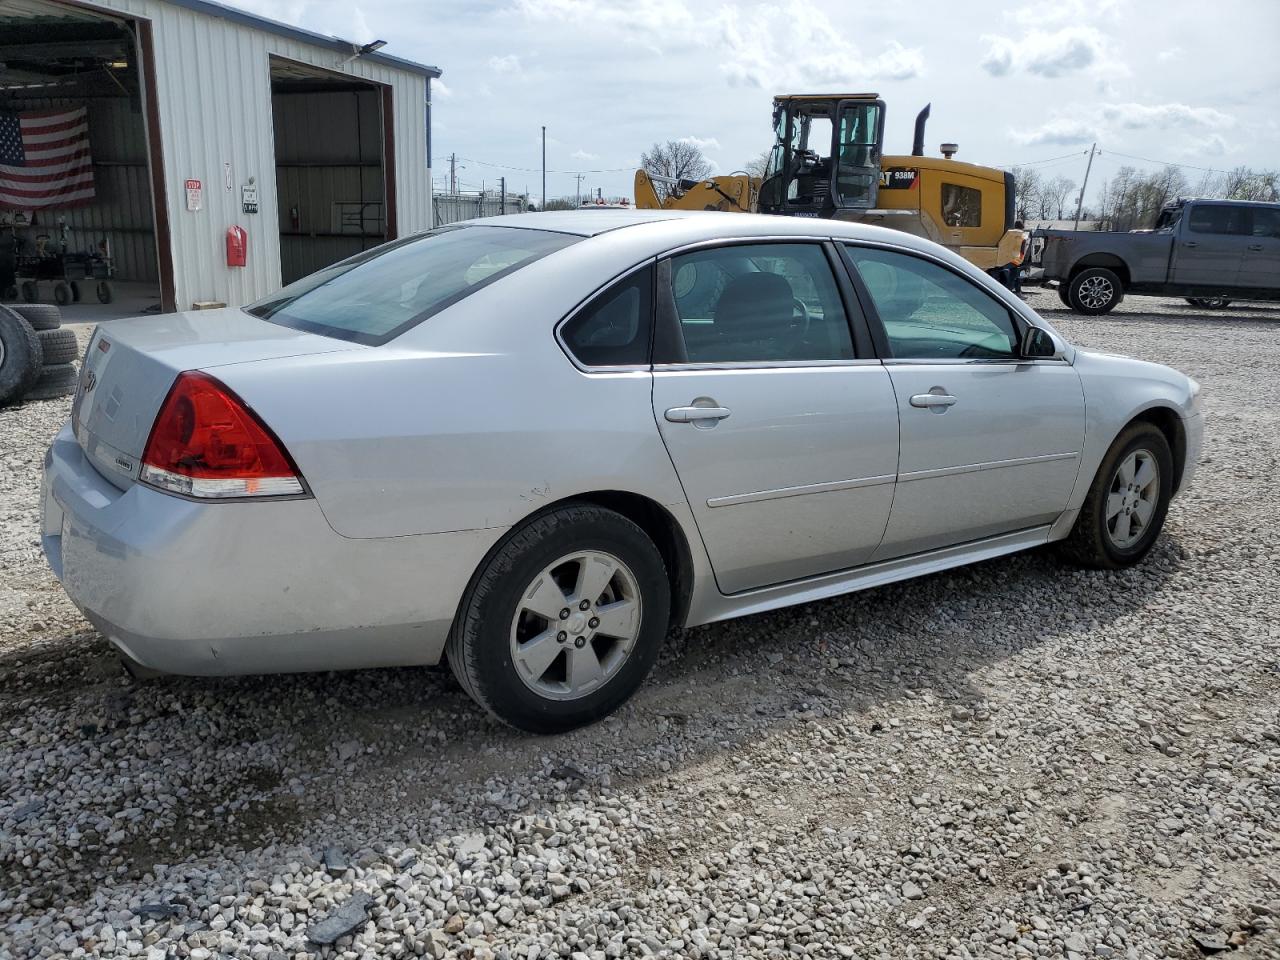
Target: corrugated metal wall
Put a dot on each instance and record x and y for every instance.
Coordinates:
(121, 210)
(328, 152)
(214, 90)
(453, 207)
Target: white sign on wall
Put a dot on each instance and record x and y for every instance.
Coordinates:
(195, 195)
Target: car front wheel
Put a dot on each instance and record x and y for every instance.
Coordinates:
(1125, 508)
(1094, 291)
(564, 621)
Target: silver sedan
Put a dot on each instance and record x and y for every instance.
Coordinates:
(532, 445)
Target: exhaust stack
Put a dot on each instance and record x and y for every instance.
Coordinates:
(917, 145)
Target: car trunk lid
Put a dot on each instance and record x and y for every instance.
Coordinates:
(130, 365)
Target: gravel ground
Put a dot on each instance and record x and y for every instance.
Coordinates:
(1014, 759)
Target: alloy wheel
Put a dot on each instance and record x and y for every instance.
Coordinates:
(1096, 292)
(1132, 499)
(575, 625)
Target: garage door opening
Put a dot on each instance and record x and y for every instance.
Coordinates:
(333, 187)
(76, 203)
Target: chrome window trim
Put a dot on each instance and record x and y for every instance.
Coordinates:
(800, 491)
(983, 466)
(965, 361)
(740, 241)
(558, 330)
(734, 365)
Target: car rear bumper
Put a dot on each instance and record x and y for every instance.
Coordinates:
(229, 588)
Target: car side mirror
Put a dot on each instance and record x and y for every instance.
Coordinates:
(1038, 344)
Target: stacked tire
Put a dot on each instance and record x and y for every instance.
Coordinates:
(37, 354)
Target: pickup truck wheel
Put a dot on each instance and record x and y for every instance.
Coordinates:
(1094, 291)
(1062, 295)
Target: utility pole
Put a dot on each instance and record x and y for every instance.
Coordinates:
(502, 190)
(453, 173)
(1080, 201)
(544, 168)
(577, 190)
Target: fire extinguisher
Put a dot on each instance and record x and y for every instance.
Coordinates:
(237, 246)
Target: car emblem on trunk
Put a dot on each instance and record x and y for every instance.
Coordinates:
(90, 381)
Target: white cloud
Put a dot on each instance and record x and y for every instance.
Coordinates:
(654, 17)
(1171, 53)
(583, 155)
(1046, 53)
(1097, 122)
(1057, 132)
(1139, 116)
(795, 44)
(440, 90)
(506, 64)
(708, 143)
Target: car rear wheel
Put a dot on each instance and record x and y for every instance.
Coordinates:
(1094, 291)
(564, 621)
(1125, 508)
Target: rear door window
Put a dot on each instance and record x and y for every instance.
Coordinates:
(759, 303)
(377, 295)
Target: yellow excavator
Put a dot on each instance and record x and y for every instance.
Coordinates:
(827, 161)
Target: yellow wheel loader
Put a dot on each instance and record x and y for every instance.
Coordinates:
(828, 161)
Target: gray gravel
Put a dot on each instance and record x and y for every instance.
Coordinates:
(1015, 759)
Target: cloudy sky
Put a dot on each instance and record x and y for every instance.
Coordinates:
(1168, 80)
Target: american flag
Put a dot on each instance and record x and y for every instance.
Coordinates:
(44, 158)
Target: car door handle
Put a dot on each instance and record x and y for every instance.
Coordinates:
(1255, 246)
(694, 414)
(927, 400)
(1190, 243)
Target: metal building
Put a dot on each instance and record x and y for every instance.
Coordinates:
(203, 119)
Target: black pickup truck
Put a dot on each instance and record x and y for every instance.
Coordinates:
(1204, 250)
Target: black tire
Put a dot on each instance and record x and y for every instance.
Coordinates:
(11, 292)
(20, 357)
(1062, 295)
(479, 646)
(1094, 291)
(59, 346)
(1195, 301)
(30, 292)
(1089, 543)
(104, 291)
(1214, 303)
(53, 382)
(41, 316)
(75, 291)
(61, 294)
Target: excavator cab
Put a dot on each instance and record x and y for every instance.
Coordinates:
(826, 155)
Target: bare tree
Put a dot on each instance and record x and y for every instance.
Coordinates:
(562, 203)
(1057, 191)
(1026, 191)
(757, 166)
(676, 159)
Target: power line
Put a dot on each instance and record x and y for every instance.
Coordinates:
(1065, 156)
(503, 166)
(1163, 163)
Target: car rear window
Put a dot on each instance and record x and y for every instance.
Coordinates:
(377, 295)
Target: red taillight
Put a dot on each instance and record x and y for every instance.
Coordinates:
(207, 443)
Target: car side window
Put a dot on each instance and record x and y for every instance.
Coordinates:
(613, 329)
(930, 313)
(1266, 222)
(1217, 218)
(759, 303)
